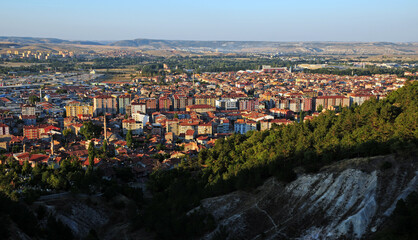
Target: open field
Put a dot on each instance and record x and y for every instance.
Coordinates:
(20, 64)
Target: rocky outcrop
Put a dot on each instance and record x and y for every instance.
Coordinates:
(81, 213)
(77, 211)
(349, 199)
(81, 218)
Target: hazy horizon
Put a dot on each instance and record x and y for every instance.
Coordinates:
(211, 40)
(264, 20)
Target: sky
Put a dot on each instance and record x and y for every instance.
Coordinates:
(239, 20)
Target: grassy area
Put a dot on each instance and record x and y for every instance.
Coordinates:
(20, 64)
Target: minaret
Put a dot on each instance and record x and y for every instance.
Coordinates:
(105, 128)
(52, 144)
(104, 121)
(40, 94)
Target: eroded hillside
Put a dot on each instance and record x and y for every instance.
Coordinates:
(349, 199)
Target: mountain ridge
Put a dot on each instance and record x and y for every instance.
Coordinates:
(36, 40)
(280, 47)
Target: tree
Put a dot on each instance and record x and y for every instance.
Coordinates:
(89, 130)
(27, 169)
(104, 147)
(129, 138)
(67, 132)
(15, 148)
(320, 108)
(33, 99)
(61, 91)
(92, 153)
(160, 146)
(301, 116)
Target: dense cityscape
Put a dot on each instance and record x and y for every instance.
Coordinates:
(175, 115)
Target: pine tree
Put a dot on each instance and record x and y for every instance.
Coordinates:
(129, 138)
(91, 154)
(104, 147)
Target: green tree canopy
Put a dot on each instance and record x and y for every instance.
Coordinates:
(90, 130)
(92, 153)
(33, 99)
(129, 138)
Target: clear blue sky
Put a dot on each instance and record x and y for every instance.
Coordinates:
(269, 20)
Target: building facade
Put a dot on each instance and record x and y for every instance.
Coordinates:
(138, 107)
(28, 110)
(165, 103)
(123, 102)
(103, 104)
(243, 126)
(180, 102)
(134, 126)
(74, 109)
(205, 100)
(4, 129)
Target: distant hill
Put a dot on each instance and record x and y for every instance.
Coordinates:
(275, 47)
(292, 48)
(186, 44)
(225, 45)
(32, 40)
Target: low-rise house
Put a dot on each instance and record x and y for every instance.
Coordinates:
(200, 108)
(267, 124)
(33, 159)
(134, 126)
(169, 137)
(255, 116)
(190, 135)
(243, 126)
(205, 129)
(281, 113)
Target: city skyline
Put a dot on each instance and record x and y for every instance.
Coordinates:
(353, 21)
